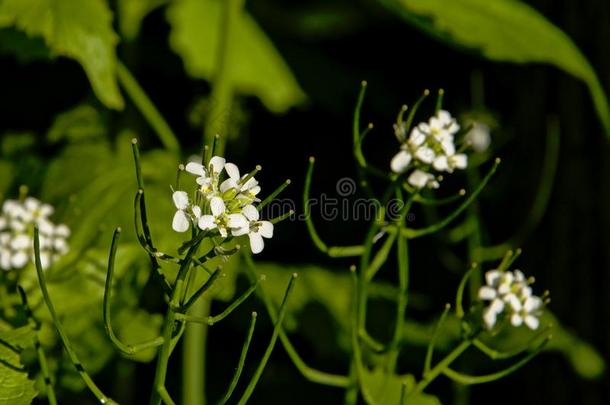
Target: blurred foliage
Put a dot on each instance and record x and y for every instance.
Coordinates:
(329, 288)
(77, 30)
(504, 30)
(15, 386)
(256, 67)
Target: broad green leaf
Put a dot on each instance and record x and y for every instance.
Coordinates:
(256, 67)
(504, 30)
(385, 388)
(80, 30)
(25, 48)
(15, 386)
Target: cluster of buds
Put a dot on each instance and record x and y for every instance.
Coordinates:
(227, 208)
(509, 294)
(429, 147)
(17, 222)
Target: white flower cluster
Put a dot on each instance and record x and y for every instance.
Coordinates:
(430, 145)
(17, 221)
(226, 207)
(510, 292)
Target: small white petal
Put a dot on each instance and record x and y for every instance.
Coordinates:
(532, 322)
(217, 163)
(425, 154)
(417, 137)
(256, 242)
(181, 199)
(196, 211)
(532, 304)
(195, 168)
(265, 228)
(440, 163)
(250, 212)
(516, 320)
(448, 146)
(223, 231)
(233, 171)
(180, 223)
(217, 205)
(60, 245)
(5, 259)
(240, 231)
(206, 222)
(487, 293)
(489, 318)
(400, 162)
(492, 277)
(227, 185)
(62, 231)
(46, 227)
(418, 179)
(519, 276)
(514, 302)
(497, 306)
(255, 190)
(31, 204)
(21, 242)
(204, 181)
(45, 210)
(19, 259)
(237, 221)
(460, 161)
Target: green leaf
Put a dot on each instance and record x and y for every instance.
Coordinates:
(25, 48)
(256, 69)
(81, 30)
(386, 388)
(504, 30)
(78, 123)
(6, 176)
(15, 386)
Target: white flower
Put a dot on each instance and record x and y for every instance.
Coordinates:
(255, 229)
(509, 292)
(208, 177)
(16, 242)
(248, 189)
(219, 219)
(420, 179)
(479, 136)
(181, 221)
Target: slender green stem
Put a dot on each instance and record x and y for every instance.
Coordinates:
(194, 356)
(313, 375)
(127, 349)
(415, 233)
(440, 368)
(42, 358)
(459, 296)
(170, 332)
(102, 398)
(381, 256)
(401, 304)
(332, 251)
(217, 318)
(480, 379)
(271, 196)
(242, 361)
(147, 108)
(430, 349)
(499, 355)
(206, 286)
(276, 331)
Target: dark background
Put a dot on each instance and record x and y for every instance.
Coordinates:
(568, 253)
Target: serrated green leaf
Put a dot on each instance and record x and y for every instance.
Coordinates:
(15, 386)
(257, 69)
(504, 30)
(80, 30)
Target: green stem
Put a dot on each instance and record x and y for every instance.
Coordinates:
(276, 331)
(147, 108)
(440, 368)
(217, 121)
(194, 357)
(242, 361)
(430, 349)
(102, 398)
